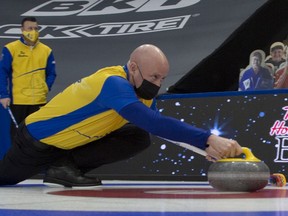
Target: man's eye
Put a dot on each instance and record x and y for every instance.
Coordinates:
(155, 77)
(33, 28)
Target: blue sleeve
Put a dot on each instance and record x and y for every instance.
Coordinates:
(5, 73)
(116, 93)
(50, 71)
(163, 126)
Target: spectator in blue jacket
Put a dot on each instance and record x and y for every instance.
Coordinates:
(256, 76)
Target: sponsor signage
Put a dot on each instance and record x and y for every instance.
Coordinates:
(96, 8)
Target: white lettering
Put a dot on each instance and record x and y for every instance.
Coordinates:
(112, 7)
(60, 8)
(100, 30)
(282, 150)
(101, 7)
(166, 5)
(128, 28)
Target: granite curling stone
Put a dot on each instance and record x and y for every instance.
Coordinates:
(247, 174)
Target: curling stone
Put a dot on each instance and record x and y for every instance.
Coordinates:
(239, 174)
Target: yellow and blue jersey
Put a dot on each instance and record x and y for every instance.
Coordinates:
(28, 71)
(85, 111)
(99, 104)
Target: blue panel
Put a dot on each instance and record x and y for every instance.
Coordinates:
(5, 141)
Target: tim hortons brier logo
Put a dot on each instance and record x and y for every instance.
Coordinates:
(280, 131)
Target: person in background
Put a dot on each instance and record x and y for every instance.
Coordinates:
(103, 118)
(27, 73)
(256, 76)
(281, 75)
(276, 57)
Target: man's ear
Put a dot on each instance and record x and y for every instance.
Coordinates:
(133, 67)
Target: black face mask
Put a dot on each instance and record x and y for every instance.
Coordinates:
(147, 90)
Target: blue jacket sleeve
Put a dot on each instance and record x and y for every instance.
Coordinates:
(5, 73)
(50, 71)
(163, 126)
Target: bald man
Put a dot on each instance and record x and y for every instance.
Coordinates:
(100, 119)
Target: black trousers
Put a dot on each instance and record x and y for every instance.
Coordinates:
(20, 112)
(27, 156)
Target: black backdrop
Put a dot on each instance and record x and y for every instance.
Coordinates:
(248, 117)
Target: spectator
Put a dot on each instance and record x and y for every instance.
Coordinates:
(276, 57)
(256, 76)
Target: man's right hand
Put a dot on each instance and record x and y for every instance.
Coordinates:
(220, 147)
(5, 102)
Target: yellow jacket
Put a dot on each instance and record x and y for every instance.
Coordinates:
(28, 71)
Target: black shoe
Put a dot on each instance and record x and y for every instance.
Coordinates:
(68, 176)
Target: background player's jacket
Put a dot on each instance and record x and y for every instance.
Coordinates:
(28, 71)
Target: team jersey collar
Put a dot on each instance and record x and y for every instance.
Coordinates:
(126, 71)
